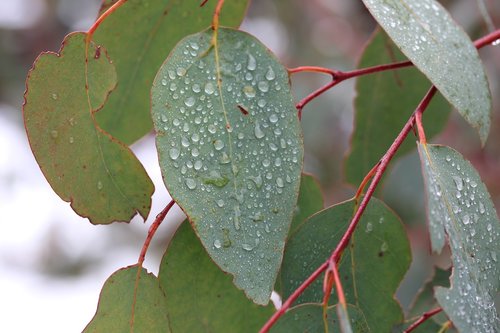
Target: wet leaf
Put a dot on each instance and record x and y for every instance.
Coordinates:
(128, 304)
(379, 248)
(428, 36)
(459, 207)
(101, 177)
(383, 104)
(235, 175)
(200, 297)
(309, 318)
(138, 36)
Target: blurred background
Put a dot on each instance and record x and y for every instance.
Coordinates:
(54, 263)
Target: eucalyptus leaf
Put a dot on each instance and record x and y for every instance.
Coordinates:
(428, 36)
(130, 301)
(384, 102)
(230, 150)
(460, 208)
(100, 176)
(193, 284)
(379, 247)
(138, 36)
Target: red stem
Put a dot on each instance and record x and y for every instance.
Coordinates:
(215, 21)
(101, 18)
(339, 76)
(152, 230)
(422, 319)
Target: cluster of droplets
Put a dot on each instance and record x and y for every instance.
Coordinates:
(459, 202)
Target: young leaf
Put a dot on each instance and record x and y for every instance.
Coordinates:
(200, 297)
(138, 36)
(371, 268)
(309, 318)
(101, 178)
(383, 103)
(230, 149)
(429, 37)
(130, 302)
(460, 207)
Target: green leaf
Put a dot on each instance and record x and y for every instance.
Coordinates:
(310, 201)
(138, 36)
(436, 45)
(459, 207)
(200, 297)
(371, 268)
(101, 177)
(230, 150)
(384, 102)
(130, 301)
(308, 318)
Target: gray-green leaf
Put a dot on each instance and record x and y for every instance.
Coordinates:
(429, 37)
(230, 149)
(379, 248)
(193, 284)
(459, 207)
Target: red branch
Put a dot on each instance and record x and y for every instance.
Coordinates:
(152, 230)
(379, 171)
(422, 319)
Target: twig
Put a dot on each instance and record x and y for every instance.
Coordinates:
(422, 319)
(152, 230)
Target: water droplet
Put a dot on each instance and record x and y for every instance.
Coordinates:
(448, 158)
(270, 74)
(259, 134)
(273, 118)
(384, 247)
(55, 96)
(215, 178)
(189, 101)
(261, 103)
(249, 91)
(181, 71)
(195, 152)
(173, 86)
(185, 142)
(99, 185)
(279, 182)
(209, 88)
(195, 137)
(212, 129)
(257, 180)
(247, 247)
(54, 134)
(220, 203)
(174, 153)
(71, 139)
(481, 208)
(263, 86)
(190, 183)
(237, 214)
(369, 227)
(252, 63)
(218, 144)
(163, 82)
(489, 227)
(459, 182)
(466, 219)
(217, 243)
(224, 158)
(266, 163)
(473, 184)
(197, 165)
